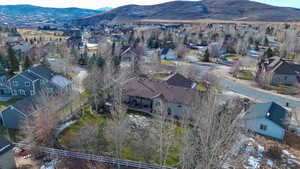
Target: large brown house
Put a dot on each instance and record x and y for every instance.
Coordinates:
(145, 94)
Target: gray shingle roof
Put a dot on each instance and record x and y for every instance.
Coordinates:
(43, 71)
(5, 145)
(25, 105)
(269, 110)
(288, 68)
(180, 81)
(30, 75)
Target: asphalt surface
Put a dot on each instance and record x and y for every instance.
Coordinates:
(258, 94)
(252, 92)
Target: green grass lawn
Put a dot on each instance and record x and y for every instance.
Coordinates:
(233, 56)
(10, 134)
(128, 151)
(245, 75)
(68, 134)
(200, 87)
(283, 89)
(164, 62)
(75, 104)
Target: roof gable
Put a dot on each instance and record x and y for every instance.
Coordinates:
(151, 88)
(42, 71)
(270, 110)
(288, 68)
(180, 81)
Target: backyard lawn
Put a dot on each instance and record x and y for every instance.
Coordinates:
(245, 75)
(87, 118)
(283, 89)
(128, 151)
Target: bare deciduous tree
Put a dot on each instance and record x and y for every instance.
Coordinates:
(210, 139)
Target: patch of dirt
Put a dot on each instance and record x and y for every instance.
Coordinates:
(28, 163)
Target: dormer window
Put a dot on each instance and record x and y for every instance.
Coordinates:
(27, 84)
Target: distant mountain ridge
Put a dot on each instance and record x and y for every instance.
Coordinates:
(243, 10)
(29, 14)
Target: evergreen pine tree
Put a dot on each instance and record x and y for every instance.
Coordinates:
(206, 56)
(268, 53)
(27, 63)
(13, 62)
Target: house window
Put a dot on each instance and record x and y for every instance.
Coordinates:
(179, 106)
(285, 77)
(263, 127)
(14, 92)
(169, 111)
(22, 92)
(32, 92)
(15, 83)
(27, 84)
(50, 90)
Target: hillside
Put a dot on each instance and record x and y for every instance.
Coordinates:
(25, 15)
(243, 10)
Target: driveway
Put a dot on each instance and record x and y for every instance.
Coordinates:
(78, 80)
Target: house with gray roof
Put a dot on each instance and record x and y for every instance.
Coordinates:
(30, 82)
(26, 85)
(268, 119)
(15, 114)
(283, 72)
(7, 160)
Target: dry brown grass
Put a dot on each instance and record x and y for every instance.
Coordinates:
(212, 21)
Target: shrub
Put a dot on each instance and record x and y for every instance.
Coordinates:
(274, 153)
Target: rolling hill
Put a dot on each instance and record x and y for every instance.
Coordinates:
(23, 15)
(243, 10)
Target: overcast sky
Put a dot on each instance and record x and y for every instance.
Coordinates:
(95, 4)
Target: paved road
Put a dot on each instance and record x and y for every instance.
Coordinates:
(257, 94)
(252, 92)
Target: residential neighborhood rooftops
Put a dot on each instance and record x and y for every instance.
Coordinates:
(288, 68)
(180, 81)
(151, 88)
(25, 105)
(60, 81)
(43, 71)
(30, 76)
(269, 110)
(5, 145)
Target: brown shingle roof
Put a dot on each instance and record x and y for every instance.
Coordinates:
(151, 88)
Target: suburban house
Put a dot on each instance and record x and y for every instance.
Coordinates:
(267, 119)
(179, 80)
(168, 53)
(15, 114)
(283, 72)
(146, 95)
(127, 53)
(28, 83)
(7, 160)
